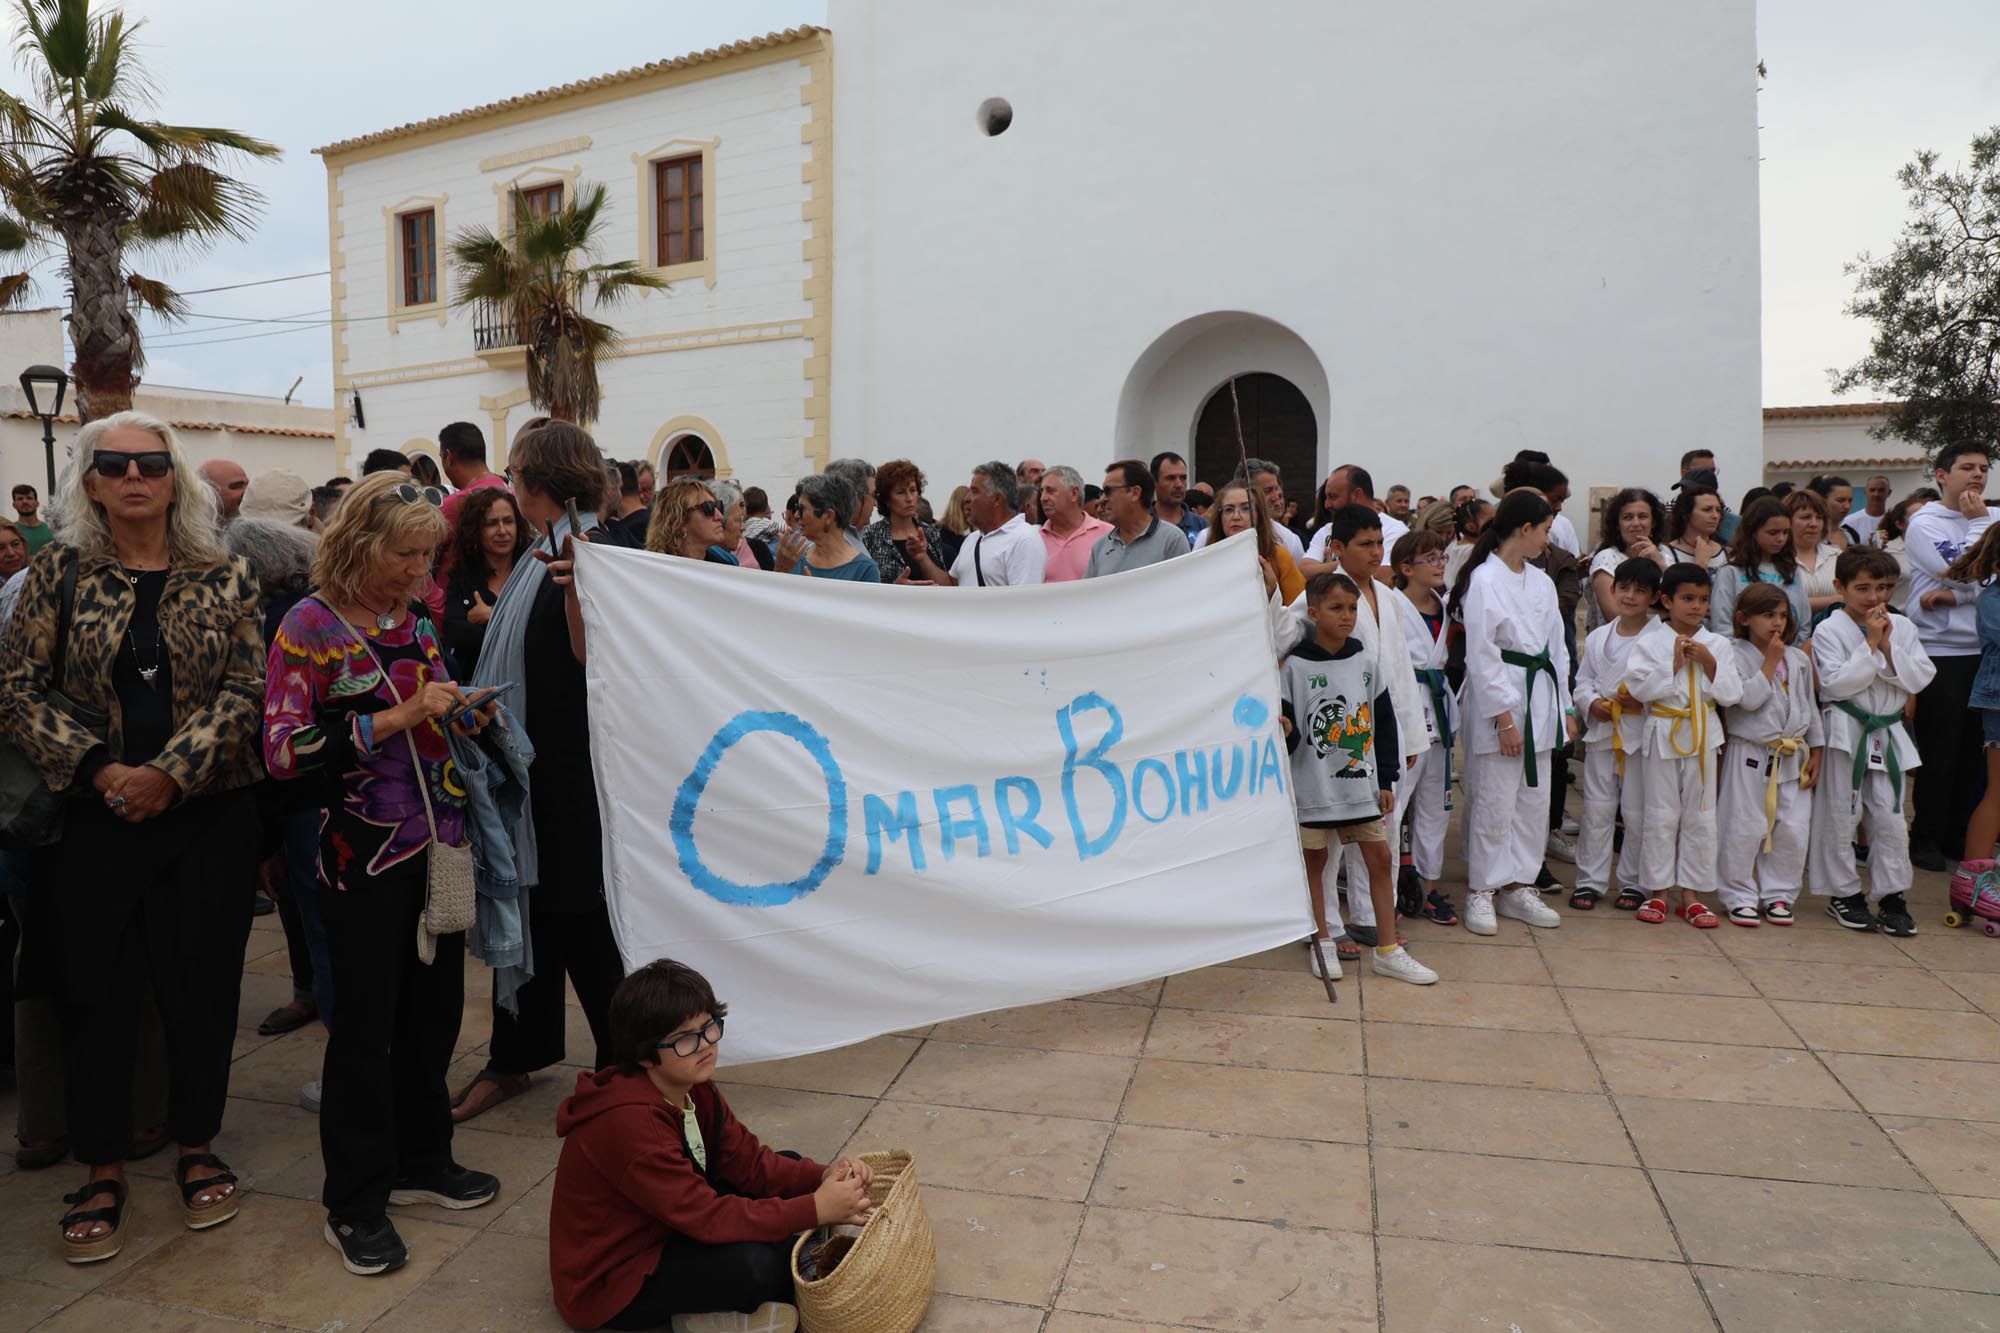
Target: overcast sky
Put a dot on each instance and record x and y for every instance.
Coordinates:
(1855, 88)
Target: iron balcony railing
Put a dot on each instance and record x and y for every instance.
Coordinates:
(492, 328)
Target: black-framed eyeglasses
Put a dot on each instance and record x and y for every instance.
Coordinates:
(688, 1043)
(153, 464)
(410, 494)
(712, 508)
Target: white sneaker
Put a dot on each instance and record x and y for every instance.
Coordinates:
(770, 1317)
(1562, 846)
(1479, 913)
(1402, 967)
(1526, 905)
(1326, 950)
(1571, 827)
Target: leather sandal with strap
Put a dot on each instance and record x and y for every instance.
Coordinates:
(96, 1248)
(199, 1217)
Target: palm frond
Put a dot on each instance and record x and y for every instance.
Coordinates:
(191, 202)
(610, 284)
(116, 74)
(14, 236)
(55, 36)
(14, 289)
(156, 296)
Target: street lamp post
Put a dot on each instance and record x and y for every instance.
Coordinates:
(52, 382)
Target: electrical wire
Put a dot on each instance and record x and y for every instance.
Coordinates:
(262, 282)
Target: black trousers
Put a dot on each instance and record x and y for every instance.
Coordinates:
(1950, 743)
(385, 1112)
(580, 946)
(162, 905)
(693, 1278)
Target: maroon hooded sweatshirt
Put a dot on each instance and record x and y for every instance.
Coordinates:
(625, 1185)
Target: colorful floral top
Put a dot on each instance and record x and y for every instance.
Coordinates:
(322, 691)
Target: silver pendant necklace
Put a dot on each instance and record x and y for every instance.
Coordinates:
(149, 674)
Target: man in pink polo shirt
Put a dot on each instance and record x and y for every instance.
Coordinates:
(1067, 532)
(463, 449)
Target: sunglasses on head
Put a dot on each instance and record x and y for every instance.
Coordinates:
(712, 508)
(153, 464)
(409, 494)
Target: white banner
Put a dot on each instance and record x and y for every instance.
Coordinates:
(859, 809)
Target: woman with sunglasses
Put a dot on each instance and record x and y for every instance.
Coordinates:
(360, 694)
(145, 721)
(688, 521)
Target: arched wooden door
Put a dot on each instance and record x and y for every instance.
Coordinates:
(690, 456)
(1278, 425)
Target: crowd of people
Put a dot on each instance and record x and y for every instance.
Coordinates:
(243, 689)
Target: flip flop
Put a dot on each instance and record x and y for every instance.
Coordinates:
(1698, 915)
(1628, 900)
(1346, 950)
(509, 1087)
(1584, 900)
(1653, 911)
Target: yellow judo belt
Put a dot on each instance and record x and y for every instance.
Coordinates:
(1617, 730)
(1695, 718)
(1781, 749)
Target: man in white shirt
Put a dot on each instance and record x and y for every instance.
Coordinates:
(1861, 523)
(1345, 485)
(1008, 552)
(1946, 617)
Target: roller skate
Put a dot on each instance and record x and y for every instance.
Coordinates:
(1975, 895)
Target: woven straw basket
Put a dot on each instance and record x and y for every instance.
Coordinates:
(884, 1284)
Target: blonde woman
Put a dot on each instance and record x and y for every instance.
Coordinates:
(688, 521)
(359, 696)
(149, 732)
(955, 524)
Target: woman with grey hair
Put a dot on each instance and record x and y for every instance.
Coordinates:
(820, 548)
(729, 495)
(146, 723)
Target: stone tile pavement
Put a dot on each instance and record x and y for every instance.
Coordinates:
(1603, 1126)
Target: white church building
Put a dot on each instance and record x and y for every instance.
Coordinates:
(1417, 237)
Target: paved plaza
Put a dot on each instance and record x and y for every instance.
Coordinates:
(1604, 1126)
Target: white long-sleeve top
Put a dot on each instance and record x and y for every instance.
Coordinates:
(1518, 612)
(1772, 710)
(1428, 652)
(1604, 661)
(1655, 680)
(1849, 669)
(1935, 537)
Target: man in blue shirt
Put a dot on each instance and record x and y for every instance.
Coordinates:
(1170, 488)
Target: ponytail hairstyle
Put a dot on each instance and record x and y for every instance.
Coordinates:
(1466, 517)
(1744, 553)
(1757, 598)
(1981, 562)
(1517, 510)
(1416, 542)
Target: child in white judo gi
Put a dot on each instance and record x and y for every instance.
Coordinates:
(1614, 729)
(1870, 663)
(1418, 560)
(1683, 672)
(1772, 760)
(1340, 726)
(1516, 709)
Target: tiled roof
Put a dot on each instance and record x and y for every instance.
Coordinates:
(236, 428)
(1828, 410)
(1916, 459)
(561, 91)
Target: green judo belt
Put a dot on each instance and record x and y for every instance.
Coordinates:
(1532, 663)
(1870, 724)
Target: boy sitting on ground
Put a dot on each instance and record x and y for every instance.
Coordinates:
(666, 1207)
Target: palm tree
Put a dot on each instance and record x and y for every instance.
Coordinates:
(539, 278)
(83, 170)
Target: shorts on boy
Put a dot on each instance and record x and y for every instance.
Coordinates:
(1319, 839)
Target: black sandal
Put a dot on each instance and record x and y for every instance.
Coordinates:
(98, 1247)
(1629, 900)
(199, 1217)
(1585, 900)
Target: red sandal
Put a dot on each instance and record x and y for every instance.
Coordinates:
(1696, 914)
(1653, 911)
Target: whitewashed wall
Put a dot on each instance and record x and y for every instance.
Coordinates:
(1494, 226)
(754, 393)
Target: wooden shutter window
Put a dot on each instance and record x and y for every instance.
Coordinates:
(540, 200)
(677, 210)
(419, 257)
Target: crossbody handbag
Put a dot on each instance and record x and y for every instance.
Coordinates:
(30, 814)
(449, 897)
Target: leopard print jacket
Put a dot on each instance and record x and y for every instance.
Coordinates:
(211, 632)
